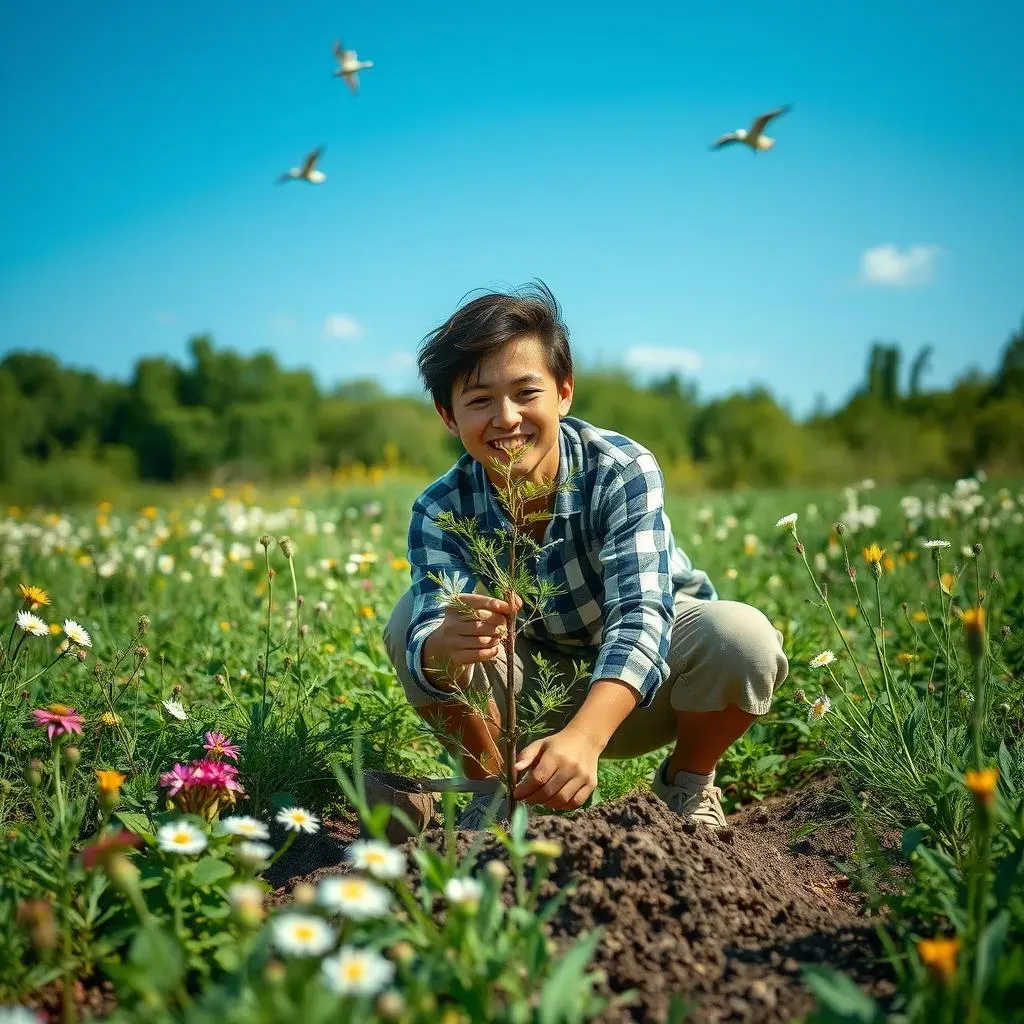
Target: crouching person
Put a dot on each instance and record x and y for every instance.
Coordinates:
(671, 662)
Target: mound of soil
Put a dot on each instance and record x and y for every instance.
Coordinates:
(723, 919)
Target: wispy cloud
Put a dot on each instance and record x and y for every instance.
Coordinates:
(342, 327)
(165, 317)
(886, 265)
(401, 360)
(646, 357)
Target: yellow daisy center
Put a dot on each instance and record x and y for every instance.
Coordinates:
(355, 970)
(303, 932)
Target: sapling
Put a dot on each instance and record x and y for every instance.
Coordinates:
(501, 562)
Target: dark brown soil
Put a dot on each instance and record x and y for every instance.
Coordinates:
(724, 920)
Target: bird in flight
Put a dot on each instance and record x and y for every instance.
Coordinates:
(754, 136)
(349, 66)
(308, 171)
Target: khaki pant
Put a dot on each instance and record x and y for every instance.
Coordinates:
(722, 653)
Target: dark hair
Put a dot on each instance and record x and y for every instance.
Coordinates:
(450, 353)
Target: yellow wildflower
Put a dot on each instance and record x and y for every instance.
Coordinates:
(939, 956)
(906, 658)
(109, 782)
(399, 564)
(34, 596)
(851, 610)
(217, 493)
(329, 648)
(225, 627)
(873, 554)
(919, 615)
(947, 582)
(54, 629)
(13, 511)
(104, 507)
(974, 624)
(889, 563)
(150, 512)
(294, 500)
(110, 718)
(367, 612)
(983, 785)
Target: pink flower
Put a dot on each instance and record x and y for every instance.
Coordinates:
(99, 851)
(59, 719)
(217, 745)
(177, 778)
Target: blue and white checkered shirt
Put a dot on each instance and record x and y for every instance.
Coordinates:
(609, 547)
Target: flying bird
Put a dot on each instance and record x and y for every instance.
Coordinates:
(349, 66)
(754, 136)
(308, 171)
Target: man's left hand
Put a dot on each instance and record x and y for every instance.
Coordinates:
(562, 770)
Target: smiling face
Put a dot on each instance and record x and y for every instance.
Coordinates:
(511, 399)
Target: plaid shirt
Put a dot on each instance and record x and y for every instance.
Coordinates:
(609, 547)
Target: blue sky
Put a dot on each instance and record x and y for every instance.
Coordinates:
(493, 143)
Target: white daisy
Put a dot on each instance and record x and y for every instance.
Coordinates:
(357, 972)
(180, 837)
(302, 935)
(357, 898)
(32, 624)
(298, 819)
(463, 891)
(246, 895)
(936, 544)
(175, 709)
(379, 859)
(817, 711)
(242, 825)
(789, 522)
(165, 563)
(254, 853)
(823, 659)
(74, 632)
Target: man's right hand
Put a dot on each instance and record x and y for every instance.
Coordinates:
(462, 640)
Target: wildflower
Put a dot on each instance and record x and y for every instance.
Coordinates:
(357, 898)
(817, 711)
(99, 851)
(873, 555)
(789, 522)
(497, 869)
(919, 616)
(109, 783)
(202, 787)
(822, 659)
(301, 935)
(936, 545)
(367, 612)
(181, 837)
(254, 853)
(59, 720)
(946, 582)
(165, 564)
(906, 658)
(379, 859)
(287, 546)
(939, 956)
(983, 785)
(974, 625)
(217, 745)
(246, 899)
(356, 972)
(175, 709)
(463, 892)
(54, 629)
(297, 819)
(399, 564)
(31, 624)
(33, 596)
(243, 825)
(76, 634)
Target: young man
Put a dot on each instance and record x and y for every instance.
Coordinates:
(671, 661)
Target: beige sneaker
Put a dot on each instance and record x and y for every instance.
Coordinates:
(703, 807)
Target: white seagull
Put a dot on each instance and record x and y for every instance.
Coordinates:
(308, 171)
(349, 66)
(754, 136)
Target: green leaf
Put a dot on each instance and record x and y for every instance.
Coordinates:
(134, 821)
(912, 839)
(564, 993)
(210, 870)
(990, 945)
(840, 1001)
(157, 958)
(769, 761)
(1006, 876)
(301, 729)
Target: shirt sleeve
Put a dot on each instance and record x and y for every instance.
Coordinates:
(638, 609)
(431, 549)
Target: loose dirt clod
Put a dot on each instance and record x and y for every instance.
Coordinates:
(724, 920)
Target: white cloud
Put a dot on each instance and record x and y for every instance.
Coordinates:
(402, 360)
(886, 265)
(342, 327)
(683, 360)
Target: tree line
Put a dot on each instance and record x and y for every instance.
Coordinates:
(72, 435)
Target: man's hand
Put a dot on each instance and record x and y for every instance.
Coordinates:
(562, 770)
(463, 640)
